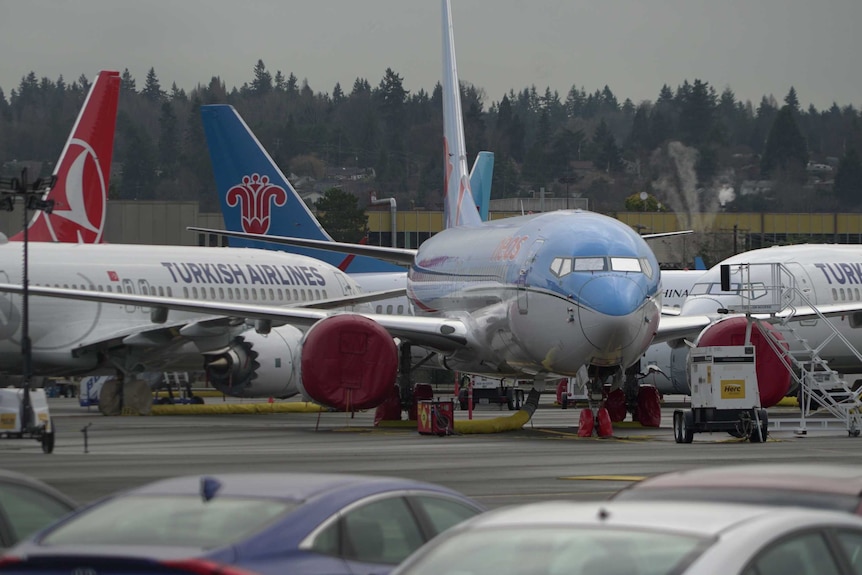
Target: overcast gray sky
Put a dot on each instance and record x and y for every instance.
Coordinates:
(755, 47)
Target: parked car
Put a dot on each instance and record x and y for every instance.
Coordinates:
(27, 505)
(239, 523)
(645, 538)
(804, 484)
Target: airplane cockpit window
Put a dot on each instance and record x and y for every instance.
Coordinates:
(561, 266)
(625, 264)
(597, 264)
(647, 267)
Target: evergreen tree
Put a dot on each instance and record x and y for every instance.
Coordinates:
(697, 106)
(168, 144)
(178, 94)
(262, 83)
(848, 179)
(152, 88)
(340, 215)
(785, 147)
(791, 99)
(127, 83)
(280, 82)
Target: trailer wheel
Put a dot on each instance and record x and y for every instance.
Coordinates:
(687, 426)
(677, 426)
(48, 440)
(758, 434)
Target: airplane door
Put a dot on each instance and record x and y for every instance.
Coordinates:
(522, 284)
(804, 285)
(129, 288)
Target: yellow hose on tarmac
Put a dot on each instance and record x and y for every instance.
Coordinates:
(223, 408)
(499, 424)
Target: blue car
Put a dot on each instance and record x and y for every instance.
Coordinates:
(230, 524)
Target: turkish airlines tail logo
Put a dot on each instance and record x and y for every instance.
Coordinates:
(80, 192)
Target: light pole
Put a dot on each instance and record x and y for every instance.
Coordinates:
(31, 196)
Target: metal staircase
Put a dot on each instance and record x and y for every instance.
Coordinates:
(818, 384)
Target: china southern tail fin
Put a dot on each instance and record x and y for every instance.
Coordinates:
(480, 182)
(256, 197)
(459, 206)
(83, 172)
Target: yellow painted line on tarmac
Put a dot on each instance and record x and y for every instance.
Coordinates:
(631, 478)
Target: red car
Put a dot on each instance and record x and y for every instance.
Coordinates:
(798, 484)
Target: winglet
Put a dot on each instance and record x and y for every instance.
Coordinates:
(459, 207)
(83, 172)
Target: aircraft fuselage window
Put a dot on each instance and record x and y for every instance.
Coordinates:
(195, 293)
(379, 309)
(212, 293)
(221, 293)
(325, 296)
(389, 309)
(271, 295)
(625, 264)
(109, 289)
(263, 294)
(590, 264)
(169, 292)
(295, 296)
(400, 309)
(254, 294)
(245, 294)
(834, 294)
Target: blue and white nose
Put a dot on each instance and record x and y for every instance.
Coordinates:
(611, 311)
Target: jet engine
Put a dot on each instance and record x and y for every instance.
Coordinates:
(256, 364)
(773, 376)
(348, 362)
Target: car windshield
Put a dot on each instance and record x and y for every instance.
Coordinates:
(173, 520)
(771, 496)
(559, 550)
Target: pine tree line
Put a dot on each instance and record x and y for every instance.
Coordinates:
(692, 138)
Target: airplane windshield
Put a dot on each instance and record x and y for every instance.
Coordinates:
(563, 266)
(625, 264)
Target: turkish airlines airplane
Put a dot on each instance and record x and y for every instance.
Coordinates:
(82, 173)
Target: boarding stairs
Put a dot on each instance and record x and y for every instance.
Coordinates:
(818, 384)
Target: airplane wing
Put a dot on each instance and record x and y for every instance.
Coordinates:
(443, 334)
(400, 256)
(674, 327)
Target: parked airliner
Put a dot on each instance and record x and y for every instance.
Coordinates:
(82, 174)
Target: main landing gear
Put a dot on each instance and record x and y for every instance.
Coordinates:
(608, 404)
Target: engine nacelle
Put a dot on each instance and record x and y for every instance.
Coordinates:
(773, 377)
(256, 364)
(349, 362)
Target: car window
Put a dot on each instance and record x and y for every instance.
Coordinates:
(382, 531)
(851, 542)
(529, 549)
(29, 510)
(443, 513)
(806, 554)
(169, 520)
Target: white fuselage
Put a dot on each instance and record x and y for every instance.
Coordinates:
(822, 274)
(542, 294)
(72, 336)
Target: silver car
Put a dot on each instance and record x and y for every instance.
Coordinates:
(645, 538)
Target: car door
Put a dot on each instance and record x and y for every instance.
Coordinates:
(802, 553)
(24, 510)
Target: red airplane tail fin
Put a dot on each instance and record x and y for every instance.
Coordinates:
(82, 175)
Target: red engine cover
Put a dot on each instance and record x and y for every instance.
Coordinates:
(773, 378)
(349, 362)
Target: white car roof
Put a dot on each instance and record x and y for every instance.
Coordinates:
(693, 518)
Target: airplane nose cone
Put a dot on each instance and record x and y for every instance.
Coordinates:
(607, 312)
(612, 295)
